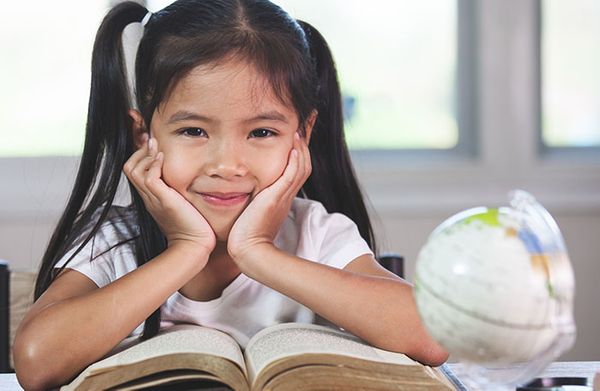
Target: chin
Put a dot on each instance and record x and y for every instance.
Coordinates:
(221, 230)
(222, 236)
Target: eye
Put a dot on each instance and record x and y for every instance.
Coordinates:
(261, 133)
(193, 132)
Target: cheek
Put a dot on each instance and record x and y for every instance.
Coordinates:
(269, 167)
(175, 172)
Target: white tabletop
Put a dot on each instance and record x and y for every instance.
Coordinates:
(8, 382)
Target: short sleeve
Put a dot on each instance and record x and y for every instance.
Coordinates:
(104, 268)
(108, 255)
(334, 235)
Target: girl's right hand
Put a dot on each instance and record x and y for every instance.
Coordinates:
(177, 218)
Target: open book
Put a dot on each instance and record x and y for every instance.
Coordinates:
(288, 356)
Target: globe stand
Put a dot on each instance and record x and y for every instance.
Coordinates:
(509, 378)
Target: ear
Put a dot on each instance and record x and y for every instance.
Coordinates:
(138, 128)
(309, 124)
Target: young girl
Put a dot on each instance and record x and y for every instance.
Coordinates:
(238, 112)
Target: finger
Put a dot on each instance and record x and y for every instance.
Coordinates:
(158, 188)
(305, 164)
(138, 174)
(134, 159)
(303, 160)
(306, 158)
(151, 152)
(153, 181)
(287, 183)
(152, 147)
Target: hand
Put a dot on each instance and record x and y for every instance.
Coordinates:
(262, 218)
(177, 218)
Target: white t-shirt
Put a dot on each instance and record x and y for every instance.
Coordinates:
(245, 306)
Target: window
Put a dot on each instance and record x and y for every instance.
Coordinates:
(570, 64)
(397, 66)
(397, 62)
(46, 55)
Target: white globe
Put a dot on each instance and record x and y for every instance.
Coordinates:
(494, 286)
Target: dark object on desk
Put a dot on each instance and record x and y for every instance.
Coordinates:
(554, 383)
(392, 262)
(4, 316)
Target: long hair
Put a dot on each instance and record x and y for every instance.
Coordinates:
(292, 55)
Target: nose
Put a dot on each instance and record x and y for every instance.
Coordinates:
(226, 161)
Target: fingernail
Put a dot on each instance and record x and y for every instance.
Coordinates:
(297, 136)
(150, 143)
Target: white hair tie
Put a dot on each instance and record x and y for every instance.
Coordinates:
(146, 19)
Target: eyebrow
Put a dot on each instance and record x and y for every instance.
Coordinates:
(184, 115)
(187, 115)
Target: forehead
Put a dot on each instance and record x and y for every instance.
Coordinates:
(235, 85)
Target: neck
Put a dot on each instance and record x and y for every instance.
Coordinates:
(218, 273)
(220, 259)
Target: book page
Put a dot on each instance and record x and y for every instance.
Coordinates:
(291, 339)
(175, 339)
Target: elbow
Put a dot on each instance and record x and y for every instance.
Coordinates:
(431, 354)
(425, 350)
(29, 374)
(436, 358)
(33, 369)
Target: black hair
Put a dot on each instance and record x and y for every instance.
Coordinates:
(292, 55)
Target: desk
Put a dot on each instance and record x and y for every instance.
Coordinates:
(562, 369)
(8, 381)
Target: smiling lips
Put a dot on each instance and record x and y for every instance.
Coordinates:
(225, 199)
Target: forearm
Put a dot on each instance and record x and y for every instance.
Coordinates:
(64, 337)
(379, 310)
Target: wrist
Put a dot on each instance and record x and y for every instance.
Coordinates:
(190, 252)
(253, 257)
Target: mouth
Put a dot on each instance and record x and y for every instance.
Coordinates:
(225, 199)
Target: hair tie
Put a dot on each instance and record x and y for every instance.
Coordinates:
(146, 19)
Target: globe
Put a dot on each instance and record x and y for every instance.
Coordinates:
(495, 287)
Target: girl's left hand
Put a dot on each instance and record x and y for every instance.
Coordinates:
(261, 220)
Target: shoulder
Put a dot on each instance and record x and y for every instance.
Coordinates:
(303, 208)
(119, 221)
(305, 212)
(110, 252)
(329, 238)
(118, 226)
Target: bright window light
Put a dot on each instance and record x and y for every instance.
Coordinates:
(45, 75)
(397, 65)
(570, 73)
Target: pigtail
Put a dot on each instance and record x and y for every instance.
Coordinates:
(108, 143)
(333, 181)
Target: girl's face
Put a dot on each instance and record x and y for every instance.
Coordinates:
(225, 137)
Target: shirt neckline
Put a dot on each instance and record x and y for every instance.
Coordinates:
(236, 284)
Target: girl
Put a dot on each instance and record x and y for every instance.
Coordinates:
(238, 112)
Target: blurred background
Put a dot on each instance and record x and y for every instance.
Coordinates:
(449, 104)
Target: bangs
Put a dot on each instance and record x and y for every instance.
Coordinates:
(285, 69)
